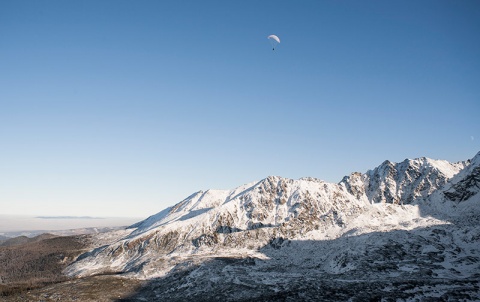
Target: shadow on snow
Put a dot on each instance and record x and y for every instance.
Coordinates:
(438, 263)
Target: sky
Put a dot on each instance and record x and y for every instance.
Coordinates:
(123, 108)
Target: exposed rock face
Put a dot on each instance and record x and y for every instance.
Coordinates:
(466, 187)
(367, 226)
(402, 183)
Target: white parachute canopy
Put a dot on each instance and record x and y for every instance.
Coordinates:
(274, 40)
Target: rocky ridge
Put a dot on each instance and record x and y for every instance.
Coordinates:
(399, 221)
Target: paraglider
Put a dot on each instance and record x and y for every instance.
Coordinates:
(274, 41)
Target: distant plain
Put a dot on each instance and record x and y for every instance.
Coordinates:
(16, 225)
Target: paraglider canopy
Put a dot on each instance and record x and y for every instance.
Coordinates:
(274, 40)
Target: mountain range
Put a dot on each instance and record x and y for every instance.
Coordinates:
(401, 231)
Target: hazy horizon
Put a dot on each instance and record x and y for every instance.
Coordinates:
(26, 223)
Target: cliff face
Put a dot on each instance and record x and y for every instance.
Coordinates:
(465, 185)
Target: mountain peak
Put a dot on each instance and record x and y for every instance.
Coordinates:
(476, 159)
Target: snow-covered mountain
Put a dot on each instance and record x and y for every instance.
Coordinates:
(413, 220)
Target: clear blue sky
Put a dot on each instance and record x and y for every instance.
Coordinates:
(122, 108)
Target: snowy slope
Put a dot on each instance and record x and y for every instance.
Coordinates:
(399, 220)
(247, 217)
